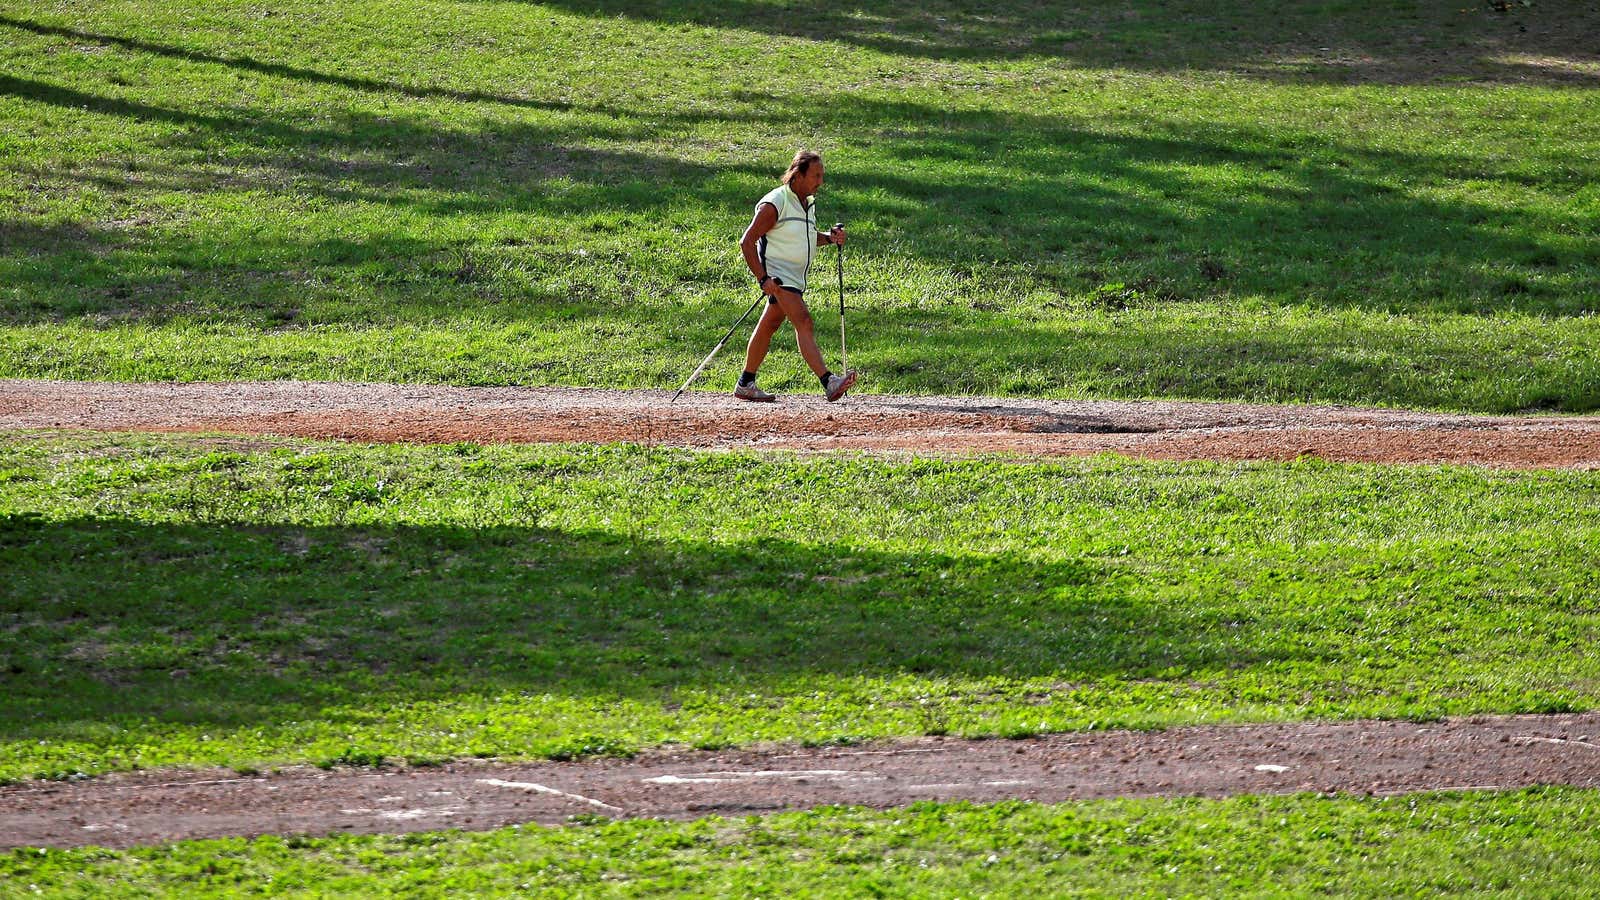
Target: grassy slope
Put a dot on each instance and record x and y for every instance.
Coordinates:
(165, 602)
(1518, 844)
(1142, 198)
(1147, 198)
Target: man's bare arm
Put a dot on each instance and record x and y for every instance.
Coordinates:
(765, 218)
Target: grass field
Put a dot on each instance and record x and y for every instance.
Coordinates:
(172, 603)
(1390, 204)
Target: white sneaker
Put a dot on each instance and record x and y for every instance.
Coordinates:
(838, 384)
(753, 393)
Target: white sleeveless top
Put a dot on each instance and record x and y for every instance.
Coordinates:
(787, 250)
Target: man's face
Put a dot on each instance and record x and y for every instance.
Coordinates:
(806, 183)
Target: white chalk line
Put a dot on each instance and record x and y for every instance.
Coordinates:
(1529, 739)
(966, 785)
(790, 774)
(541, 789)
(861, 753)
(401, 815)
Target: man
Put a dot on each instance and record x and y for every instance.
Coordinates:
(779, 246)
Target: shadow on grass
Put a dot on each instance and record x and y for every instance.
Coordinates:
(106, 619)
(1296, 42)
(1170, 215)
(275, 69)
(1306, 41)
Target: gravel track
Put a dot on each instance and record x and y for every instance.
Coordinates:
(941, 426)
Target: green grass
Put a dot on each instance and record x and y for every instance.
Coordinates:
(170, 601)
(1391, 204)
(1388, 203)
(1528, 843)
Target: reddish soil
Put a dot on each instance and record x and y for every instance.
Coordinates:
(908, 425)
(1362, 757)
(1351, 757)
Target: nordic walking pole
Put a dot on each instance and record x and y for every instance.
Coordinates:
(714, 350)
(844, 363)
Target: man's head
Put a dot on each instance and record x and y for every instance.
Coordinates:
(805, 173)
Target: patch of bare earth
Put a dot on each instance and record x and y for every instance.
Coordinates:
(1368, 758)
(943, 426)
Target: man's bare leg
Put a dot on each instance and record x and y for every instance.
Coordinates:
(761, 339)
(794, 309)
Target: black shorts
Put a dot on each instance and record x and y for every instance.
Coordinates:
(772, 301)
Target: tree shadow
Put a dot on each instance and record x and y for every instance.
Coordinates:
(112, 620)
(1304, 218)
(1299, 218)
(1298, 42)
(276, 69)
(1303, 42)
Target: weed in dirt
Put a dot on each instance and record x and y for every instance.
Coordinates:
(355, 759)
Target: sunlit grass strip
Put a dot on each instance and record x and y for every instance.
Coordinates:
(1243, 352)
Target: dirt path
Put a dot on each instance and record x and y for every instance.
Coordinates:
(1351, 757)
(914, 425)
